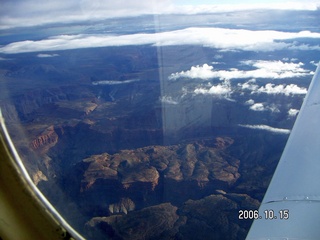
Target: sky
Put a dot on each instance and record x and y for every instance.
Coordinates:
(23, 13)
(209, 2)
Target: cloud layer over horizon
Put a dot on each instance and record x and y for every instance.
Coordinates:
(220, 38)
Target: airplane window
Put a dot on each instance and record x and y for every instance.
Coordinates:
(155, 120)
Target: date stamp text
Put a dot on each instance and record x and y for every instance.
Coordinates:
(270, 214)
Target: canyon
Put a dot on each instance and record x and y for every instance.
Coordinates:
(142, 159)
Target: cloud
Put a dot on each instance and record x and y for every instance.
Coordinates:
(293, 112)
(45, 55)
(263, 69)
(270, 88)
(275, 69)
(267, 128)
(114, 82)
(315, 63)
(291, 60)
(249, 102)
(258, 107)
(204, 72)
(249, 85)
(291, 89)
(218, 56)
(273, 108)
(220, 89)
(220, 38)
(168, 100)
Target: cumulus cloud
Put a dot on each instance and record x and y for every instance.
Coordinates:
(249, 102)
(270, 88)
(273, 108)
(258, 107)
(220, 38)
(291, 89)
(220, 89)
(293, 112)
(249, 85)
(168, 100)
(276, 69)
(45, 55)
(263, 69)
(204, 72)
(291, 60)
(267, 128)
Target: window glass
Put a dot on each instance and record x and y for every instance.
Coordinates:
(154, 120)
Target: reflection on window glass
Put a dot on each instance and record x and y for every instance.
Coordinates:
(154, 120)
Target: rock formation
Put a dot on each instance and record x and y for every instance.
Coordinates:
(39, 176)
(197, 162)
(47, 139)
(212, 217)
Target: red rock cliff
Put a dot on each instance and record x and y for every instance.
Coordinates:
(47, 139)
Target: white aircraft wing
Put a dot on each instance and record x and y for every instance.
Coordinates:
(291, 206)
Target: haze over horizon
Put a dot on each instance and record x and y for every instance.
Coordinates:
(35, 13)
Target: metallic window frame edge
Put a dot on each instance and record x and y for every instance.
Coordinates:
(25, 213)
